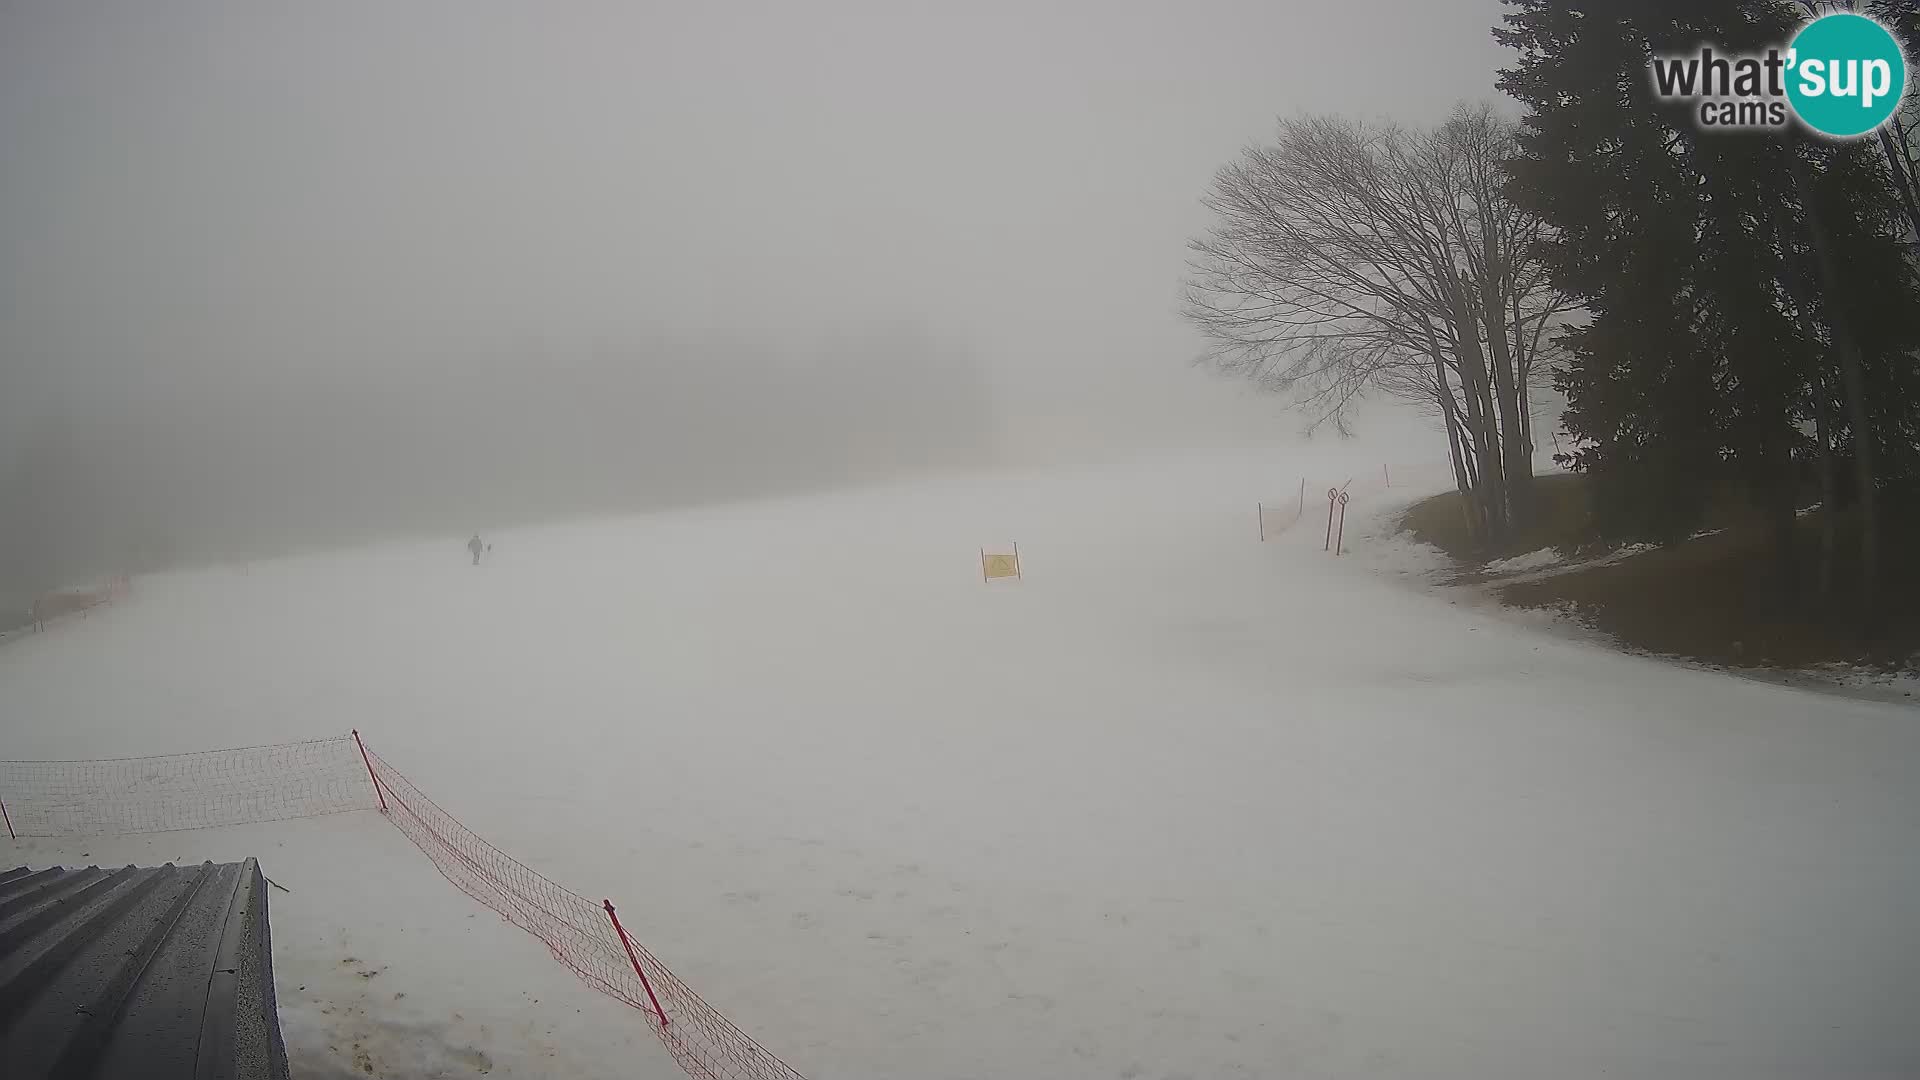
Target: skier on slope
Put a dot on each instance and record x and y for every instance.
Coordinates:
(473, 545)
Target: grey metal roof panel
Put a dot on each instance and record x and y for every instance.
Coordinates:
(162, 972)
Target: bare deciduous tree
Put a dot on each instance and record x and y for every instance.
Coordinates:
(1347, 258)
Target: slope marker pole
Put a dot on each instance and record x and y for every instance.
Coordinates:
(368, 762)
(635, 961)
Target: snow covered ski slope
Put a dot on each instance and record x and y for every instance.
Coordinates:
(1177, 804)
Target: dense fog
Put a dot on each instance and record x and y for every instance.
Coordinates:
(190, 479)
(280, 276)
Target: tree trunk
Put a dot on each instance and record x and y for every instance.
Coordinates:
(1479, 420)
(1785, 552)
(1779, 495)
(1476, 492)
(1462, 481)
(1526, 429)
(1523, 376)
(1462, 484)
(1852, 385)
(1515, 460)
(1823, 436)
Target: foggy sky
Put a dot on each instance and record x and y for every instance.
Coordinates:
(279, 263)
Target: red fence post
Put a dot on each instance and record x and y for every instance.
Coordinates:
(364, 760)
(3, 814)
(635, 961)
(1332, 494)
(1340, 536)
(1262, 511)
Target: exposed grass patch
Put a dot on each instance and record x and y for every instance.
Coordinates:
(1564, 520)
(1717, 598)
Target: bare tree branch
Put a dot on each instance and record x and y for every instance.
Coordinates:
(1348, 259)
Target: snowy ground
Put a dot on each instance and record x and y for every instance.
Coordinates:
(1180, 804)
(1533, 560)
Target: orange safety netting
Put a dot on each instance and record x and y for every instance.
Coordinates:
(324, 776)
(582, 935)
(184, 791)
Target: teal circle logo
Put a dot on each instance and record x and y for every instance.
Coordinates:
(1846, 75)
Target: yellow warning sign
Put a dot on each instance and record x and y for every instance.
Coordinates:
(999, 565)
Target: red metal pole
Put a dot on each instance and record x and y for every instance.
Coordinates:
(1332, 493)
(364, 760)
(1262, 511)
(3, 814)
(1018, 574)
(635, 961)
(1340, 536)
(1385, 473)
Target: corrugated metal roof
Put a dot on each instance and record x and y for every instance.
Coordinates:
(163, 972)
